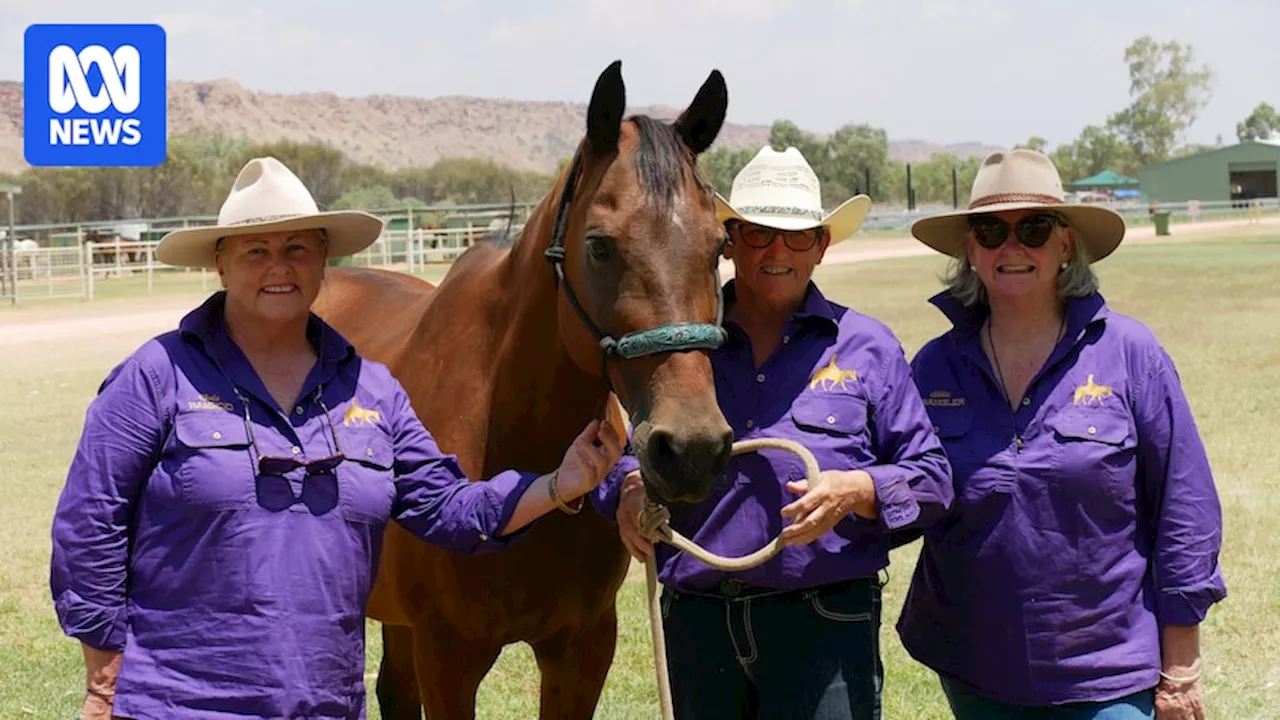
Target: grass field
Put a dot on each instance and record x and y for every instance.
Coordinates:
(1215, 304)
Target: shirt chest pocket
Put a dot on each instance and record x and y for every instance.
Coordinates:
(835, 427)
(970, 450)
(1096, 455)
(366, 481)
(211, 462)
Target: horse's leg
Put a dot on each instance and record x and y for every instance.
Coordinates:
(397, 683)
(450, 671)
(574, 666)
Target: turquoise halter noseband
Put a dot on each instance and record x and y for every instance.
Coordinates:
(677, 337)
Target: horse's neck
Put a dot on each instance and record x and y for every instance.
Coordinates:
(505, 392)
(542, 398)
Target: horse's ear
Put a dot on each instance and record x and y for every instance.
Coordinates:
(699, 124)
(604, 114)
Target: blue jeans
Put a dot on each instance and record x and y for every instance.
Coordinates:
(811, 654)
(967, 705)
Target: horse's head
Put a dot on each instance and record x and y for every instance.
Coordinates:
(640, 248)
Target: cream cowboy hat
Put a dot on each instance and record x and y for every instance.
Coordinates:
(268, 197)
(780, 190)
(1014, 180)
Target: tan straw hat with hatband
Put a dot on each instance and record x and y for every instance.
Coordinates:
(780, 190)
(267, 197)
(1014, 180)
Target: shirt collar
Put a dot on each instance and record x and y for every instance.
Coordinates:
(814, 307)
(966, 321)
(206, 325)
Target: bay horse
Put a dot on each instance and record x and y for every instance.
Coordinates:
(611, 290)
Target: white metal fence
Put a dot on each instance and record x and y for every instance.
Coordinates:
(72, 264)
(88, 270)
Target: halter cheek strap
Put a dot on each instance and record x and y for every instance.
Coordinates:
(676, 337)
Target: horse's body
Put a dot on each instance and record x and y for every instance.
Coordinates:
(504, 373)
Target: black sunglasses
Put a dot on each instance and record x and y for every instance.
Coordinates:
(760, 237)
(1032, 231)
(279, 466)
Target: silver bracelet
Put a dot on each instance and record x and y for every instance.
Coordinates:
(1183, 680)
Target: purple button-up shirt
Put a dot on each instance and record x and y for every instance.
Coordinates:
(230, 593)
(840, 385)
(1083, 522)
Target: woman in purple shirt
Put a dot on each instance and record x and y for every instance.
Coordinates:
(218, 535)
(1082, 553)
(797, 636)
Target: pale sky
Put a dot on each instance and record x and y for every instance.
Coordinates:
(993, 71)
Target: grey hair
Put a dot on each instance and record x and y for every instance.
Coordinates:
(1077, 280)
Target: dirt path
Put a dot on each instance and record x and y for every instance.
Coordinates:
(144, 317)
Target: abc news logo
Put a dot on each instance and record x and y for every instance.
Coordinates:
(69, 89)
(95, 95)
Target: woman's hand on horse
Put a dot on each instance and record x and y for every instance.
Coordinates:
(839, 493)
(631, 501)
(591, 456)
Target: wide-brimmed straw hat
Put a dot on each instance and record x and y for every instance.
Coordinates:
(780, 190)
(1014, 180)
(267, 197)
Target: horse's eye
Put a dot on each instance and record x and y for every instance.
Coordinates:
(600, 248)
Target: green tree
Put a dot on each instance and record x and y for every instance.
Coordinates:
(1168, 92)
(1261, 124)
(722, 164)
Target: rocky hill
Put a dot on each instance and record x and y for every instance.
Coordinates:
(396, 131)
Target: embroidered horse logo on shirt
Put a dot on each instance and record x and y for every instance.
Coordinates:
(831, 375)
(360, 415)
(1091, 391)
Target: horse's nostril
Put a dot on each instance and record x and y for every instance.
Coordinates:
(665, 448)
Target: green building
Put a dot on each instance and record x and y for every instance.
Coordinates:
(1235, 172)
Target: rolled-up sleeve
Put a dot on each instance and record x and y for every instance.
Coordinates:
(438, 503)
(122, 440)
(1180, 489)
(913, 476)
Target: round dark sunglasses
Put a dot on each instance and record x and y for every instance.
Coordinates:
(1032, 231)
(759, 237)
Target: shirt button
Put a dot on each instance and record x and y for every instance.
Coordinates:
(936, 429)
(1093, 430)
(217, 435)
(831, 419)
(786, 339)
(369, 452)
(484, 538)
(297, 410)
(1026, 401)
(296, 449)
(751, 423)
(760, 377)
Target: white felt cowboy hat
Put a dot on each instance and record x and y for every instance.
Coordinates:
(1015, 180)
(780, 190)
(266, 198)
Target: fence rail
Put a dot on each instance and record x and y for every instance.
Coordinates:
(88, 270)
(70, 263)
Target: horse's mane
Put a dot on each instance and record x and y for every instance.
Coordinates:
(661, 159)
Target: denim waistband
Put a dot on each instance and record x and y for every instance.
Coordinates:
(734, 590)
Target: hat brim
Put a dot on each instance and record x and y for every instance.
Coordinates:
(842, 222)
(348, 231)
(1100, 229)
